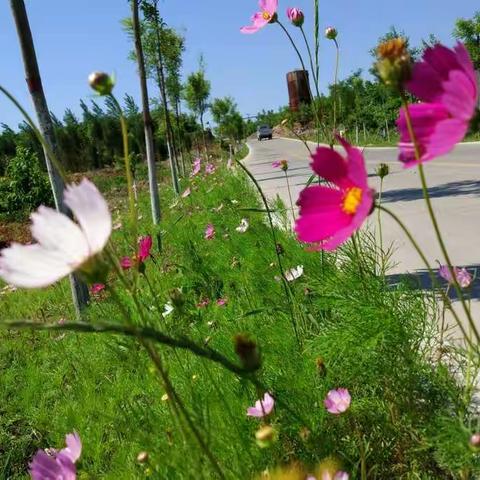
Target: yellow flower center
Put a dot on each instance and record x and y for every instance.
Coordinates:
(266, 15)
(351, 200)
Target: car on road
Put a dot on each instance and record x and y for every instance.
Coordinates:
(264, 131)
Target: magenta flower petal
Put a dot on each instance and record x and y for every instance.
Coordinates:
(445, 79)
(329, 216)
(262, 18)
(96, 288)
(144, 248)
(73, 449)
(337, 401)
(262, 407)
(126, 263)
(209, 232)
(435, 130)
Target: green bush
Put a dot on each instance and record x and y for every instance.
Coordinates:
(24, 187)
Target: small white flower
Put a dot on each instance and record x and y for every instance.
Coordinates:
(63, 245)
(294, 273)
(168, 309)
(243, 227)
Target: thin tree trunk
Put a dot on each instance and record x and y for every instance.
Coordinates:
(163, 95)
(203, 135)
(34, 81)
(147, 119)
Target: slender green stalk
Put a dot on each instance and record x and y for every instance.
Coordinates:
(315, 79)
(146, 333)
(274, 238)
(433, 278)
(290, 195)
(128, 168)
(335, 83)
(435, 224)
(316, 34)
(38, 134)
(380, 233)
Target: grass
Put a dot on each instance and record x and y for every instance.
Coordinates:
(355, 331)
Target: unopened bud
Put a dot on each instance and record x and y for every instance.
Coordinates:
(101, 82)
(383, 170)
(279, 248)
(331, 33)
(142, 457)
(248, 352)
(475, 441)
(284, 165)
(296, 16)
(265, 436)
(321, 368)
(394, 64)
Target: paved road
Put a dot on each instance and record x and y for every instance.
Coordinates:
(454, 183)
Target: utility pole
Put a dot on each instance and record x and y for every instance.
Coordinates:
(34, 82)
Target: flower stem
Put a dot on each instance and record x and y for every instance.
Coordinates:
(48, 149)
(274, 238)
(380, 234)
(128, 168)
(433, 218)
(433, 279)
(290, 195)
(337, 61)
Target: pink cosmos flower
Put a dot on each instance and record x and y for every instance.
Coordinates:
(63, 245)
(126, 263)
(464, 278)
(296, 16)
(268, 10)
(203, 303)
(187, 192)
(330, 215)
(445, 79)
(337, 401)
(210, 168)
(144, 247)
(57, 465)
(221, 302)
(209, 232)
(96, 288)
(262, 408)
(197, 166)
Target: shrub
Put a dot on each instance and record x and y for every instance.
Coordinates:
(25, 186)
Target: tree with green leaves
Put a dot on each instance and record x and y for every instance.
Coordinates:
(196, 93)
(467, 30)
(229, 122)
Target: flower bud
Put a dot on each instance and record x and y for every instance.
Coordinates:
(394, 64)
(279, 248)
(321, 368)
(475, 441)
(101, 82)
(296, 16)
(265, 436)
(248, 352)
(331, 33)
(383, 170)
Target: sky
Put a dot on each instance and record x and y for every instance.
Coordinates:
(73, 38)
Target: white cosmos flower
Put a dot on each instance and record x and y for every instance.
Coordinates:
(294, 273)
(62, 245)
(243, 227)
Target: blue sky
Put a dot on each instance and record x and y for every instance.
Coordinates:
(75, 37)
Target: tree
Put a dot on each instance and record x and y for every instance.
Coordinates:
(468, 31)
(196, 94)
(147, 119)
(34, 81)
(229, 121)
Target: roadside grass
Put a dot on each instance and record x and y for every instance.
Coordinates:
(354, 331)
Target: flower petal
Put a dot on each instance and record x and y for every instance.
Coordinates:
(330, 165)
(32, 266)
(74, 447)
(91, 211)
(56, 232)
